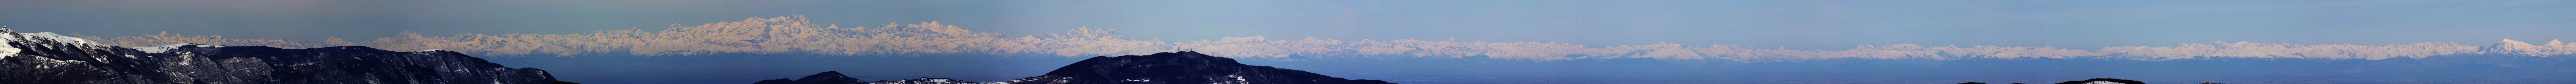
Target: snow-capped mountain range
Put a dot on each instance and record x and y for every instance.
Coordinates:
(48, 58)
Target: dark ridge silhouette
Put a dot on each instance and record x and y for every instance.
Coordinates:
(827, 77)
(2103, 80)
(835, 77)
(1184, 67)
(924, 80)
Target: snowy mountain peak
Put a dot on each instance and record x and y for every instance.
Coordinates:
(63, 39)
(49, 58)
(44, 39)
(2510, 42)
(7, 35)
(167, 48)
(2509, 46)
(2554, 42)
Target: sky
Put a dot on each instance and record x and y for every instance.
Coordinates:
(1794, 25)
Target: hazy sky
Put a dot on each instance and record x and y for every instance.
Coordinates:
(1796, 25)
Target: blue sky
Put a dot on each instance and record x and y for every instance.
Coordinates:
(1797, 25)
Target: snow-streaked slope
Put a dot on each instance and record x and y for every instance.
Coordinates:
(48, 58)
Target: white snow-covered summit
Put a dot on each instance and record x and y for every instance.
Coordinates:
(166, 48)
(13, 36)
(47, 36)
(63, 39)
(7, 35)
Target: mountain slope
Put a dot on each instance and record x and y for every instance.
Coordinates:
(827, 77)
(925, 80)
(835, 77)
(47, 58)
(1184, 67)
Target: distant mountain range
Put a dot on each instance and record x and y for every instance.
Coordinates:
(1184, 67)
(48, 58)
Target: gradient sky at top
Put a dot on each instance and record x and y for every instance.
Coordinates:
(1800, 25)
